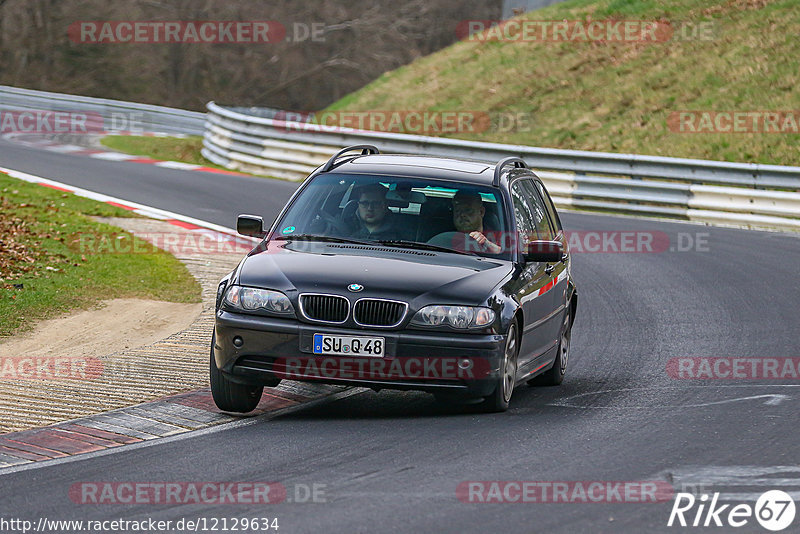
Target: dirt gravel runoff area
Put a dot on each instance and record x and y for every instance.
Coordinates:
(126, 352)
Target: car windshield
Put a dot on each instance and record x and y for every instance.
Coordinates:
(421, 213)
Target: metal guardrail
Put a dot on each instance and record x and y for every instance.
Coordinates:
(256, 140)
(126, 115)
(741, 194)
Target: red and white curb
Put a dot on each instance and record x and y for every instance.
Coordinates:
(108, 155)
(225, 236)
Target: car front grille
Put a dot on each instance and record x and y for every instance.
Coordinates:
(377, 312)
(327, 308)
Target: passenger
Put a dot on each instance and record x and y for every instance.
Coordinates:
(468, 212)
(373, 219)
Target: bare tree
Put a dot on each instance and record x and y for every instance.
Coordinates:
(354, 45)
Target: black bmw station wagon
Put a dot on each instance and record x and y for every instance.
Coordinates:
(400, 272)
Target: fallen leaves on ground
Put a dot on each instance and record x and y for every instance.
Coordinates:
(20, 255)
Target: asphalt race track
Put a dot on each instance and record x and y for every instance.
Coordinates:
(392, 462)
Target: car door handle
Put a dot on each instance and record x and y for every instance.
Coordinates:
(549, 268)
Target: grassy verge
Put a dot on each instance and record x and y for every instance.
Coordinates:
(616, 96)
(44, 274)
(186, 150)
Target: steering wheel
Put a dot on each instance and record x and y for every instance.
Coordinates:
(331, 223)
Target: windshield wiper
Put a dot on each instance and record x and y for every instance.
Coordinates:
(401, 243)
(324, 238)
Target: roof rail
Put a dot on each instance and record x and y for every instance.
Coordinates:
(518, 163)
(365, 150)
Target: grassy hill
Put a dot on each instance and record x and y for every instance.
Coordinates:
(614, 96)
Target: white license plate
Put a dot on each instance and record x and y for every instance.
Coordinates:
(373, 347)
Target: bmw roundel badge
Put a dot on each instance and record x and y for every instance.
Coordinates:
(355, 288)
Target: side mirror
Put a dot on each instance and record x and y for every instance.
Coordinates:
(251, 225)
(544, 251)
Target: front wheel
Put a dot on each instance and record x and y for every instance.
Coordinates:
(555, 375)
(499, 400)
(230, 396)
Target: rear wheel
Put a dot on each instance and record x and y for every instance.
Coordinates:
(555, 375)
(499, 400)
(230, 396)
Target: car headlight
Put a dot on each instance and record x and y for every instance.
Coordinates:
(454, 316)
(254, 299)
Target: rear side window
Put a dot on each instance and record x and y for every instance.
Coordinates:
(523, 213)
(538, 211)
(548, 203)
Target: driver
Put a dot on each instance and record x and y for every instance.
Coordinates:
(373, 219)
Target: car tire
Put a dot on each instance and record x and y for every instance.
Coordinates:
(230, 396)
(504, 388)
(555, 375)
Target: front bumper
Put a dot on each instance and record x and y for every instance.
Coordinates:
(273, 348)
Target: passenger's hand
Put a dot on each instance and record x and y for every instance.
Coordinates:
(483, 241)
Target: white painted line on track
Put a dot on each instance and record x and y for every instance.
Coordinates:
(67, 148)
(113, 156)
(733, 482)
(772, 399)
(177, 165)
